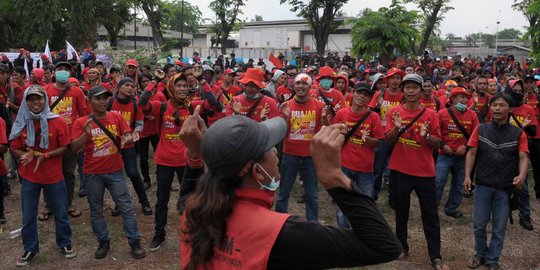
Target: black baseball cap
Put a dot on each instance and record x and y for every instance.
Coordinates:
(59, 64)
(98, 91)
(363, 86)
(230, 143)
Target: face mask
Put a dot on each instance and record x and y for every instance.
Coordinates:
(460, 107)
(61, 76)
(273, 186)
(326, 83)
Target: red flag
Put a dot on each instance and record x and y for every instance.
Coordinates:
(275, 61)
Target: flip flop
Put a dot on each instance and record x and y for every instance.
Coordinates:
(73, 212)
(44, 216)
(438, 264)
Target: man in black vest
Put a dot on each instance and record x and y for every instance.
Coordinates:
(500, 152)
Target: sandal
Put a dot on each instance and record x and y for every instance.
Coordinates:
(44, 215)
(437, 264)
(74, 212)
(475, 262)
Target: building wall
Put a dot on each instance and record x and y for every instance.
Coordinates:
(264, 37)
(336, 43)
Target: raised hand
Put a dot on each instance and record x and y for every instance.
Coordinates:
(424, 129)
(265, 111)
(326, 151)
(365, 133)
(526, 121)
(396, 119)
(192, 133)
(88, 127)
(236, 106)
(285, 110)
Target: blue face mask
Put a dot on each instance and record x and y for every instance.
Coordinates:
(273, 186)
(461, 107)
(326, 83)
(61, 76)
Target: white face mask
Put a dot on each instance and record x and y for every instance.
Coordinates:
(273, 186)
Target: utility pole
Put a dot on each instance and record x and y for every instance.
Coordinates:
(497, 34)
(182, 31)
(135, 28)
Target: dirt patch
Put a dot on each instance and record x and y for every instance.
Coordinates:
(521, 247)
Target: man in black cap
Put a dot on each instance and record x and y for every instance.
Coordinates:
(102, 134)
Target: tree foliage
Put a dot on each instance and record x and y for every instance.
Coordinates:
(510, 33)
(320, 15)
(113, 15)
(34, 21)
(187, 18)
(227, 12)
(531, 10)
(386, 32)
(432, 15)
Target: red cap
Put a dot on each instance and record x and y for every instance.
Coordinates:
(254, 75)
(178, 63)
(4, 57)
(73, 80)
(393, 71)
(132, 62)
(325, 72)
(44, 57)
(85, 70)
(229, 71)
(459, 90)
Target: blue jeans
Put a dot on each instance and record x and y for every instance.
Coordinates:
(524, 201)
(456, 165)
(290, 166)
(129, 155)
(382, 154)
(488, 202)
(364, 182)
(58, 201)
(115, 183)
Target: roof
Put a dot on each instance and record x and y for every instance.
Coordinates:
(275, 23)
(516, 47)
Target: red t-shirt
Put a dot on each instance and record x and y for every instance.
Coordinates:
(304, 122)
(532, 100)
(170, 150)
(356, 155)
(450, 133)
(430, 103)
(50, 170)
(482, 101)
(334, 97)
(17, 91)
(100, 152)
(4, 141)
(348, 99)
(229, 93)
(72, 105)
(283, 93)
(523, 145)
(150, 127)
(389, 101)
(126, 110)
(522, 112)
(412, 155)
(247, 103)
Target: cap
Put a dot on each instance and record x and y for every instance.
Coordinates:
(394, 71)
(450, 82)
(4, 68)
(229, 71)
(303, 77)
(512, 83)
(325, 72)
(529, 77)
(35, 90)
(459, 90)
(124, 81)
(132, 62)
(412, 78)
(254, 75)
(231, 142)
(115, 68)
(363, 86)
(65, 64)
(98, 91)
(99, 62)
(73, 80)
(437, 59)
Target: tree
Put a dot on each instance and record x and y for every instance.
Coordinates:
(8, 23)
(187, 18)
(470, 41)
(451, 36)
(33, 26)
(385, 32)
(531, 10)
(258, 18)
(154, 15)
(433, 13)
(510, 33)
(80, 22)
(113, 15)
(320, 16)
(227, 12)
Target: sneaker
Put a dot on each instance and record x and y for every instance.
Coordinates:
(25, 259)
(2, 218)
(136, 251)
(68, 252)
(156, 243)
(115, 212)
(147, 210)
(456, 214)
(493, 266)
(12, 175)
(475, 262)
(526, 224)
(103, 249)
(82, 193)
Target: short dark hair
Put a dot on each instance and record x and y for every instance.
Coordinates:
(507, 98)
(167, 67)
(19, 70)
(291, 67)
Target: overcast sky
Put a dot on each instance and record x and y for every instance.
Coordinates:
(468, 16)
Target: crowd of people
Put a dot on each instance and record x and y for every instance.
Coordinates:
(354, 126)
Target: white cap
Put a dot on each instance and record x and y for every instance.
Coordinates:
(303, 77)
(437, 59)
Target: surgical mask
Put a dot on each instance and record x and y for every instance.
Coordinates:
(273, 186)
(326, 83)
(461, 107)
(61, 76)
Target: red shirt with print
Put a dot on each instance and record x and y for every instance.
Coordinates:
(126, 110)
(248, 103)
(356, 155)
(521, 113)
(450, 133)
(4, 141)
(389, 101)
(334, 97)
(170, 150)
(229, 93)
(100, 153)
(532, 100)
(482, 101)
(72, 105)
(50, 170)
(17, 91)
(283, 93)
(431, 103)
(412, 155)
(150, 127)
(304, 122)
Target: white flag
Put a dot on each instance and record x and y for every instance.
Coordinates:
(70, 50)
(26, 69)
(48, 51)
